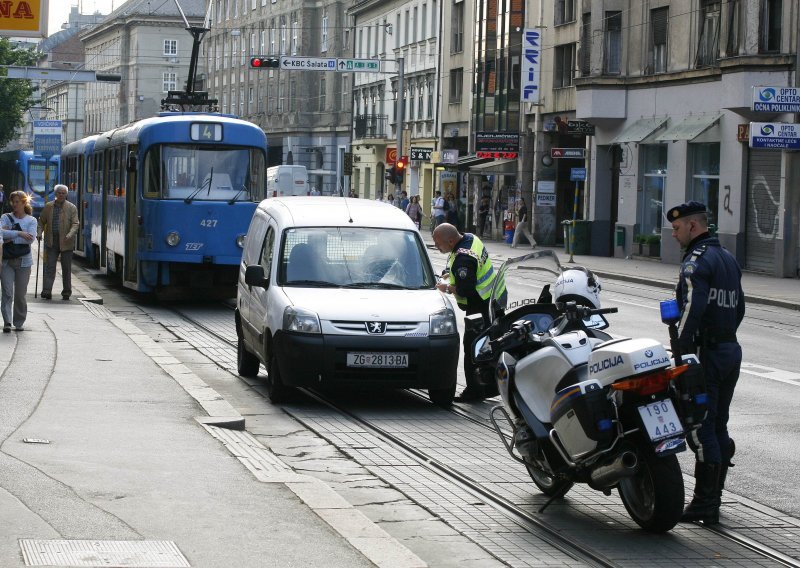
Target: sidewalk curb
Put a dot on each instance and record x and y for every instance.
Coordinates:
(228, 426)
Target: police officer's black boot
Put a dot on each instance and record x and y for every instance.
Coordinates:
(705, 502)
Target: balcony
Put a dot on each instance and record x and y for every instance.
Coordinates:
(370, 126)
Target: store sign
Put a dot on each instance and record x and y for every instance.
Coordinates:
(498, 155)
(23, 18)
(580, 127)
(449, 156)
(496, 142)
(546, 186)
(776, 99)
(390, 156)
(422, 154)
(774, 135)
(578, 153)
(531, 64)
(545, 199)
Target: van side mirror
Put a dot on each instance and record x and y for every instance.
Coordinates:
(254, 276)
(132, 163)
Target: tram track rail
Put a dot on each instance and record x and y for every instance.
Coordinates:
(536, 527)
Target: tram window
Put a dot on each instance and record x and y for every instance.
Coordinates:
(151, 169)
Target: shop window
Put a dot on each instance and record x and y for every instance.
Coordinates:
(705, 176)
(653, 159)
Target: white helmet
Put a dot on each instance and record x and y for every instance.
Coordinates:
(578, 284)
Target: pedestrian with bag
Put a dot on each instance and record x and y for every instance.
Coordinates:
(710, 296)
(18, 229)
(414, 211)
(58, 223)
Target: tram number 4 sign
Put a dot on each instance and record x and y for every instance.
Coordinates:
(578, 153)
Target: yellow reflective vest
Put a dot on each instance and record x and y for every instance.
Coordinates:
(486, 273)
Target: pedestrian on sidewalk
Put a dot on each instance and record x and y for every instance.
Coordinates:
(471, 278)
(58, 222)
(522, 225)
(438, 209)
(414, 211)
(19, 230)
(710, 296)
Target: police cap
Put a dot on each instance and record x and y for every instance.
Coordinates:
(685, 209)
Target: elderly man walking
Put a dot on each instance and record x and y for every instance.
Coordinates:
(59, 224)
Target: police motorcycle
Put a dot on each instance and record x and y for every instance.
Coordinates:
(582, 407)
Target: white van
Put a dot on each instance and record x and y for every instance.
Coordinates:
(284, 180)
(334, 290)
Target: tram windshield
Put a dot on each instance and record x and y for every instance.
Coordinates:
(36, 177)
(205, 173)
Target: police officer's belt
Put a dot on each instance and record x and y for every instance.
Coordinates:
(712, 339)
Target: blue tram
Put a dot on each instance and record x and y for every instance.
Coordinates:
(165, 202)
(35, 175)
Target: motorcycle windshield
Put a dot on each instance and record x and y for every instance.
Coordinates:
(525, 277)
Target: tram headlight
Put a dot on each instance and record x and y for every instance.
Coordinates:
(240, 241)
(173, 238)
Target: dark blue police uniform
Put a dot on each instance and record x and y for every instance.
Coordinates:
(710, 296)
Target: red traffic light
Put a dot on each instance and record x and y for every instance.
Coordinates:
(259, 62)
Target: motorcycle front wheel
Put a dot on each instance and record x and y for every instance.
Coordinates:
(547, 484)
(654, 496)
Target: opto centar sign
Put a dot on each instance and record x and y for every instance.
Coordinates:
(776, 99)
(23, 18)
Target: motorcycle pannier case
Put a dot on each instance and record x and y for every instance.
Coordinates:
(582, 416)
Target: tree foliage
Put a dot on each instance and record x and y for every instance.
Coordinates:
(16, 95)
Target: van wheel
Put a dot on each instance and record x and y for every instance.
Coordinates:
(443, 397)
(276, 390)
(246, 362)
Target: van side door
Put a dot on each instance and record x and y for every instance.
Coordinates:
(250, 255)
(260, 297)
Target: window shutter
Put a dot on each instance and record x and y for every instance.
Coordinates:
(660, 19)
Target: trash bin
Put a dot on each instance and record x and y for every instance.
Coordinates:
(508, 227)
(619, 239)
(581, 236)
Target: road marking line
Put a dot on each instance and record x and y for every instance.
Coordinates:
(771, 373)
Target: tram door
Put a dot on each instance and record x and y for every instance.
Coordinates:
(132, 226)
(79, 179)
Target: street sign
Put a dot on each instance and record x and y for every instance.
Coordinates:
(577, 174)
(774, 135)
(46, 138)
(577, 153)
(776, 99)
(358, 65)
(580, 127)
(423, 154)
(308, 63)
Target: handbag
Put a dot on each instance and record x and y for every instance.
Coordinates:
(15, 250)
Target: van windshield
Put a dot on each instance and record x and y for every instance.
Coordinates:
(354, 257)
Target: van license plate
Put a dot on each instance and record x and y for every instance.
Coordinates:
(378, 360)
(660, 419)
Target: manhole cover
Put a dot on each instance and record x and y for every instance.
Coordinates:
(128, 553)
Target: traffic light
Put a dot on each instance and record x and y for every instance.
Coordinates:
(390, 175)
(400, 170)
(265, 62)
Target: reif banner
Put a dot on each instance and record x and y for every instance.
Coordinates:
(23, 18)
(531, 64)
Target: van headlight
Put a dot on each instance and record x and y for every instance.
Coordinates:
(443, 322)
(300, 320)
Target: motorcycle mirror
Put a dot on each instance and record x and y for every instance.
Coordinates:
(481, 351)
(596, 321)
(545, 297)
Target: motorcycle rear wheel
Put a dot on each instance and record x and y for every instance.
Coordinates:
(654, 496)
(548, 485)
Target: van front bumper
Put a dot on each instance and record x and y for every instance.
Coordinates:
(306, 360)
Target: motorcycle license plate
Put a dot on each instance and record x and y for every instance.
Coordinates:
(378, 360)
(660, 419)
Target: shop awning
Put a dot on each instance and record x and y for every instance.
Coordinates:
(466, 162)
(639, 130)
(690, 128)
(507, 167)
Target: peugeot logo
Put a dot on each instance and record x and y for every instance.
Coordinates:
(648, 353)
(375, 327)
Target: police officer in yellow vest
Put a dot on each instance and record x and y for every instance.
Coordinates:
(472, 277)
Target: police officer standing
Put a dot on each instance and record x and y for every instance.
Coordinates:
(471, 279)
(709, 293)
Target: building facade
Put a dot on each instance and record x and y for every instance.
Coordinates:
(305, 114)
(148, 45)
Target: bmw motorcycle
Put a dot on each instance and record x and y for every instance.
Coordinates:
(582, 407)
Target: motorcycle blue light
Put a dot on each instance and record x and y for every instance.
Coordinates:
(701, 398)
(604, 424)
(669, 311)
